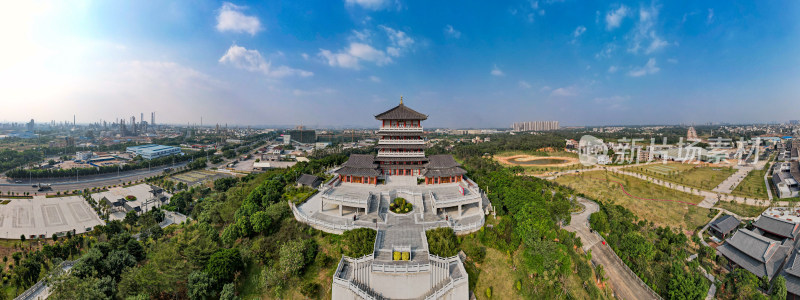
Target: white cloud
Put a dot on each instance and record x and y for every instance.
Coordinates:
(399, 39)
(497, 72)
(318, 92)
(606, 52)
(578, 31)
(613, 102)
(356, 52)
(362, 35)
(614, 17)
(375, 78)
(450, 31)
(612, 69)
(232, 19)
(647, 69)
(645, 34)
(545, 88)
(304, 55)
(564, 92)
(710, 18)
(523, 84)
(672, 60)
(369, 4)
(251, 60)
(360, 49)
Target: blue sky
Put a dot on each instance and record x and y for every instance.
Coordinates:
(465, 63)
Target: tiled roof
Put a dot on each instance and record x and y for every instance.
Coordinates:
(442, 161)
(360, 165)
(792, 274)
(309, 180)
(725, 224)
(777, 226)
(442, 165)
(401, 112)
(755, 253)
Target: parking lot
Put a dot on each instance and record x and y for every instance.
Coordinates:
(41, 217)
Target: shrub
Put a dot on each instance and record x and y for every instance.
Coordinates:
(359, 242)
(442, 242)
(406, 255)
(489, 292)
(396, 255)
(310, 289)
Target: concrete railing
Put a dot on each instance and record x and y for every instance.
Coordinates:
(34, 290)
(469, 227)
(327, 225)
(345, 199)
(404, 129)
(628, 269)
(447, 200)
(451, 283)
(401, 154)
(401, 142)
(402, 268)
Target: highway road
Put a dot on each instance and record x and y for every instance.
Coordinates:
(65, 184)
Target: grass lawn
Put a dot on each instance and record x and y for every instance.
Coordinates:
(496, 273)
(743, 210)
(594, 185)
(705, 178)
(752, 186)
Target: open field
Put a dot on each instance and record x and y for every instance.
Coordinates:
(537, 161)
(197, 176)
(651, 202)
(701, 177)
(743, 210)
(753, 186)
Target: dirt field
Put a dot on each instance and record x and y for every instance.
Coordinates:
(508, 160)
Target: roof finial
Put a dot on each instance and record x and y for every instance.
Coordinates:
(401, 99)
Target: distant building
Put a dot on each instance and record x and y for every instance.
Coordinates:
(83, 155)
(785, 176)
(151, 151)
(535, 126)
(303, 136)
(287, 139)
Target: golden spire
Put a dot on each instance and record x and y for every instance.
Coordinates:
(401, 99)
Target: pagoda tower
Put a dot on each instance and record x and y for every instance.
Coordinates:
(401, 148)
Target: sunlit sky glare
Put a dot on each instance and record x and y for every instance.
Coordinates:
(338, 63)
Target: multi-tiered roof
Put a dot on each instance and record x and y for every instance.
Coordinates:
(401, 148)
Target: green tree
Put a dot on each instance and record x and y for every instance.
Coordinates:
(224, 264)
(778, 288)
(261, 221)
(228, 292)
(200, 286)
(131, 218)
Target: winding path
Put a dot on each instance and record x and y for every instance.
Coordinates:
(623, 282)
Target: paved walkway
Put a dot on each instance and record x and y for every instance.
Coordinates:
(732, 181)
(623, 282)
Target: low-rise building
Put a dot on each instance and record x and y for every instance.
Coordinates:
(724, 226)
(151, 151)
(755, 253)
